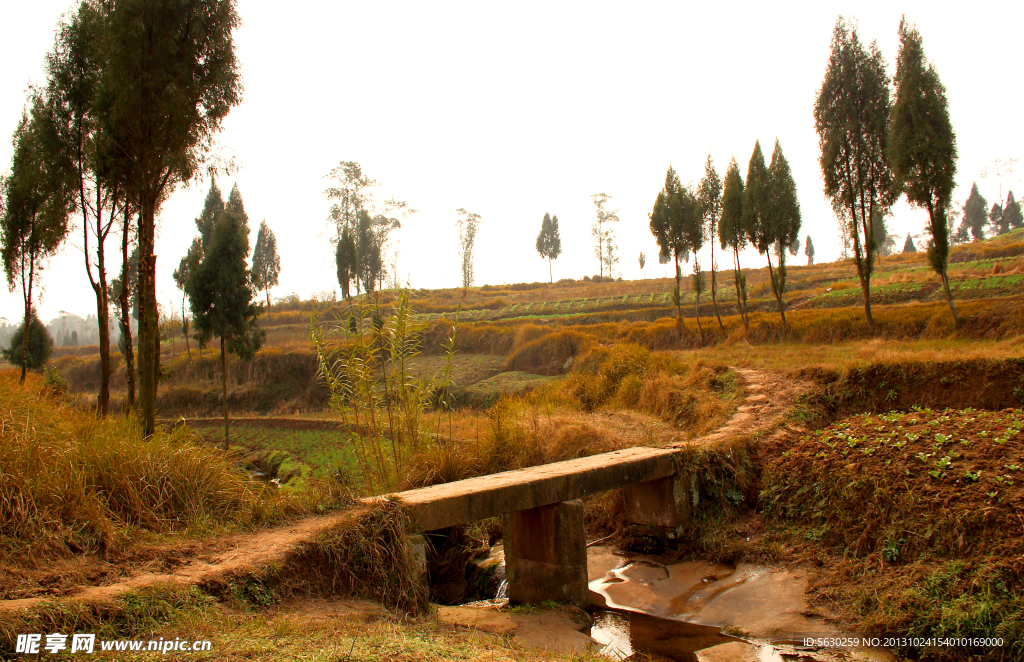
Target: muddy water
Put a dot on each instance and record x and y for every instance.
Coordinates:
(696, 610)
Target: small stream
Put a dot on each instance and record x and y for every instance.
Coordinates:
(696, 610)
(699, 611)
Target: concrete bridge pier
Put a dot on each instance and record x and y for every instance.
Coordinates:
(664, 502)
(546, 554)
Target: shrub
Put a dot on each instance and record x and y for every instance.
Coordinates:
(40, 344)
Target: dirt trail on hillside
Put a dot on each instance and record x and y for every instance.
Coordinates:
(767, 398)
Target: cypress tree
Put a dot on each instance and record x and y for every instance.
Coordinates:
(711, 202)
(549, 243)
(732, 232)
(780, 220)
(221, 295)
(345, 261)
(1012, 218)
(922, 146)
(975, 213)
(851, 115)
(266, 263)
(213, 206)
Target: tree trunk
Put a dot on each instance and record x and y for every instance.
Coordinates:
(714, 294)
(696, 297)
(738, 277)
(551, 278)
(25, 329)
(224, 383)
(126, 323)
(944, 274)
(714, 298)
(679, 295)
(184, 329)
(149, 336)
(103, 319)
(268, 306)
(949, 298)
(775, 290)
(864, 258)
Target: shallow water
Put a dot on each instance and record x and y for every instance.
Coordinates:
(695, 610)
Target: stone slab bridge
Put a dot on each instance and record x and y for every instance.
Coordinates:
(544, 537)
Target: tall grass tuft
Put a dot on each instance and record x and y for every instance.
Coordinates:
(70, 482)
(367, 554)
(368, 375)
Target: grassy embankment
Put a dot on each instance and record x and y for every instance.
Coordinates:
(74, 487)
(609, 340)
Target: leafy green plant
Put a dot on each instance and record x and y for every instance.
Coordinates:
(368, 375)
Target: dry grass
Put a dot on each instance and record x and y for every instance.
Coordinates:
(70, 482)
(557, 422)
(694, 396)
(548, 354)
(368, 554)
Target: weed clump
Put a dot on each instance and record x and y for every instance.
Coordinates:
(368, 554)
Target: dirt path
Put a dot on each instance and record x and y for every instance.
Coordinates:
(218, 561)
(768, 397)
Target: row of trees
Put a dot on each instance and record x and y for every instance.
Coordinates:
(135, 91)
(978, 219)
(763, 212)
(875, 149)
(363, 226)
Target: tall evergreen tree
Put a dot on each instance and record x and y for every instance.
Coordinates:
(975, 211)
(222, 296)
(908, 245)
(1012, 218)
(39, 195)
(779, 221)
(922, 146)
(236, 205)
(549, 243)
(710, 193)
(369, 261)
(676, 210)
(266, 263)
(851, 115)
(732, 232)
(345, 261)
(213, 206)
(809, 250)
(169, 79)
(995, 220)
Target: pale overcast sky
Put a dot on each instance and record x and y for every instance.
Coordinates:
(514, 110)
